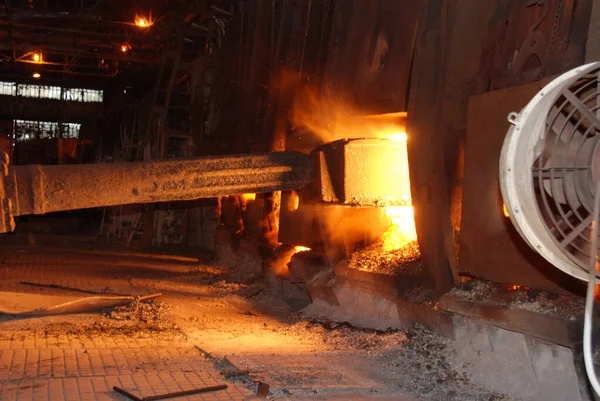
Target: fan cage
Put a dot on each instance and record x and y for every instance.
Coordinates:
(565, 172)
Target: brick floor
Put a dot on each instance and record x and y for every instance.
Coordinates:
(74, 368)
(38, 366)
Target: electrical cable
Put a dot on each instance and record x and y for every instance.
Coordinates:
(588, 352)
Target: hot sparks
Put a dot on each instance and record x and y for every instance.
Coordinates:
(516, 287)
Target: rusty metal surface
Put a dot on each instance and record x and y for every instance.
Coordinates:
(43, 189)
(490, 247)
(371, 51)
(592, 46)
(7, 222)
(365, 172)
(539, 38)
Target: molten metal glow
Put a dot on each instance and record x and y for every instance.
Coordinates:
(293, 201)
(515, 287)
(142, 22)
(398, 136)
(402, 231)
(299, 248)
(248, 197)
(316, 113)
(505, 210)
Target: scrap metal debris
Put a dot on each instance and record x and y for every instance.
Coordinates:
(344, 336)
(423, 368)
(262, 390)
(170, 395)
(374, 258)
(251, 291)
(81, 305)
(62, 287)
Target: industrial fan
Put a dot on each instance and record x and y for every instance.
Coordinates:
(550, 179)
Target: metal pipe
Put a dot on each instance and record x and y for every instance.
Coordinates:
(37, 189)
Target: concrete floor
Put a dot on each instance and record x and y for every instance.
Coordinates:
(201, 332)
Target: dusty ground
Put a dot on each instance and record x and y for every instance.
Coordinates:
(203, 329)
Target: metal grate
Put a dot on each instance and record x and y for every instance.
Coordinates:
(568, 167)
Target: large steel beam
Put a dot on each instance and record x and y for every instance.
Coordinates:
(37, 189)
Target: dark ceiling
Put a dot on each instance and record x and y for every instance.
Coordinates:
(99, 37)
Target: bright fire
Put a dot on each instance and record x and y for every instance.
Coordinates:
(248, 197)
(299, 248)
(327, 118)
(402, 231)
(400, 136)
(505, 210)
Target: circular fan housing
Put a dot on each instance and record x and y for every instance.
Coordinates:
(550, 166)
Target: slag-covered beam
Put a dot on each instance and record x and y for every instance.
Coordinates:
(37, 189)
(363, 172)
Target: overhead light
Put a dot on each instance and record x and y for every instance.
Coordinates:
(37, 57)
(142, 22)
(36, 75)
(125, 48)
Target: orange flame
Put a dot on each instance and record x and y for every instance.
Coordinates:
(248, 197)
(398, 137)
(402, 231)
(299, 248)
(505, 210)
(328, 118)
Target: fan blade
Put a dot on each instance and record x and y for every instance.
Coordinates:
(568, 151)
(577, 230)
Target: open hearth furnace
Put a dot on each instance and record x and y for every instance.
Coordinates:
(346, 243)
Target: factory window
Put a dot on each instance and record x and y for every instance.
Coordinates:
(52, 92)
(37, 91)
(26, 130)
(8, 88)
(82, 95)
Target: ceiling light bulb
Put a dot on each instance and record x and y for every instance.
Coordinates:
(37, 57)
(142, 22)
(36, 75)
